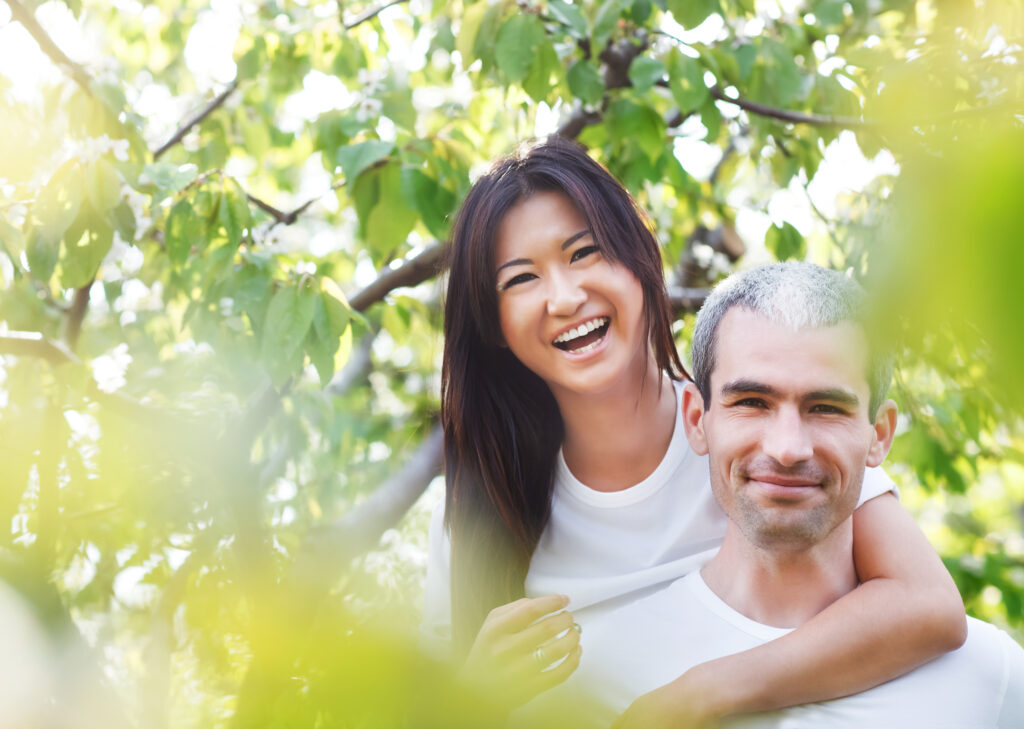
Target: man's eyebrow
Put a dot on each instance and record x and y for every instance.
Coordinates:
(526, 261)
(737, 387)
(834, 394)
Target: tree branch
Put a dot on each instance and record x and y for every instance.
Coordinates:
(34, 344)
(360, 530)
(75, 70)
(370, 14)
(794, 117)
(413, 271)
(686, 300)
(197, 119)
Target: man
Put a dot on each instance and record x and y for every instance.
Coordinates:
(789, 405)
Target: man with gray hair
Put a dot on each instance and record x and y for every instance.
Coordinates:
(789, 406)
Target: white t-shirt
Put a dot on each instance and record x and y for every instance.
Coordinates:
(645, 644)
(606, 548)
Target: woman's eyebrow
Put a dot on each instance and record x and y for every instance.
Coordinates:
(573, 238)
(514, 262)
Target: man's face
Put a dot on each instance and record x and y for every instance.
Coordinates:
(787, 427)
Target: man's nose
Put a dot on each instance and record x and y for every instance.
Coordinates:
(787, 438)
(565, 293)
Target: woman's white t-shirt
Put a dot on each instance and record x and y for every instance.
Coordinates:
(606, 548)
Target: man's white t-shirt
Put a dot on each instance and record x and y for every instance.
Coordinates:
(604, 549)
(645, 644)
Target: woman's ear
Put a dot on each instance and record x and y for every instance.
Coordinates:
(693, 419)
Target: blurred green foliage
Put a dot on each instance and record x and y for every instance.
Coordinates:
(219, 350)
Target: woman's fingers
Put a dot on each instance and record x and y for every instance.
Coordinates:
(541, 632)
(543, 680)
(513, 617)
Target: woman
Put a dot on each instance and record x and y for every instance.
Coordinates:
(566, 472)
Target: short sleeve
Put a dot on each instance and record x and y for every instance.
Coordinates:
(436, 627)
(876, 482)
(1011, 714)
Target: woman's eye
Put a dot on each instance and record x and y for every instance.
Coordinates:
(583, 253)
(521, 278)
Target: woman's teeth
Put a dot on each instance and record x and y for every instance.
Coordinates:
(567, 340)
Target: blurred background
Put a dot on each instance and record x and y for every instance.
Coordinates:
(220, 232)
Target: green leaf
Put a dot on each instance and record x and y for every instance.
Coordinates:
(390, 221)
(396, 319)
(686, 81)
(58, 204)
(586, 82)
(53, 213)
(605, 21)
(170, 177)
(234, 211)
(544, 74)
(355, 158)
(12, 239)
(639, 124)
(289, 317)
(644, 72)
(775, 79)
(468, 30)
(321, 352)
(518, 40)
(691, 13)
(182, 231)
(102, 185)
(570, 16)
(123, 218)
(337, 312)
(85, 246)
(433, 202)
(711, 118)
(785, 242)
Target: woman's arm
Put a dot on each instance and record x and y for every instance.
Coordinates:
(905, 612)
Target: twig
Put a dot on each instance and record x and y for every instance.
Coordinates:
(414, 271)
(75, 70)
(197, 119)
(76, 315)
(370, 14)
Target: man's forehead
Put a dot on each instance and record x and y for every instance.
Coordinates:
(751, 346)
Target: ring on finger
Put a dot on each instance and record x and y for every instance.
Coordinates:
(540, 658)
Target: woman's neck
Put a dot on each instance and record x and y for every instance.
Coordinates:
(616, 440)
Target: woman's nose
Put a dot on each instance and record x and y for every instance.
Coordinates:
(565, 294)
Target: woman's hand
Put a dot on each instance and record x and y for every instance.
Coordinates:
(523, 648)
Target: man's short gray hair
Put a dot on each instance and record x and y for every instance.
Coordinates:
(796, 294)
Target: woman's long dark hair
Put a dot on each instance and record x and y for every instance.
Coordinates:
(502, 426)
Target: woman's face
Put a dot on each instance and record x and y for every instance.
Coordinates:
(570, 315)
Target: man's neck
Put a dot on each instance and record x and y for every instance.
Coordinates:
(782, 587)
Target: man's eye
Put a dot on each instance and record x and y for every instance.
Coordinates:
(828, 409)
(521, 278)
(583, 252)
(750, 402)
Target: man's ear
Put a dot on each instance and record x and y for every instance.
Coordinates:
(693, 419)
(884, 430)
